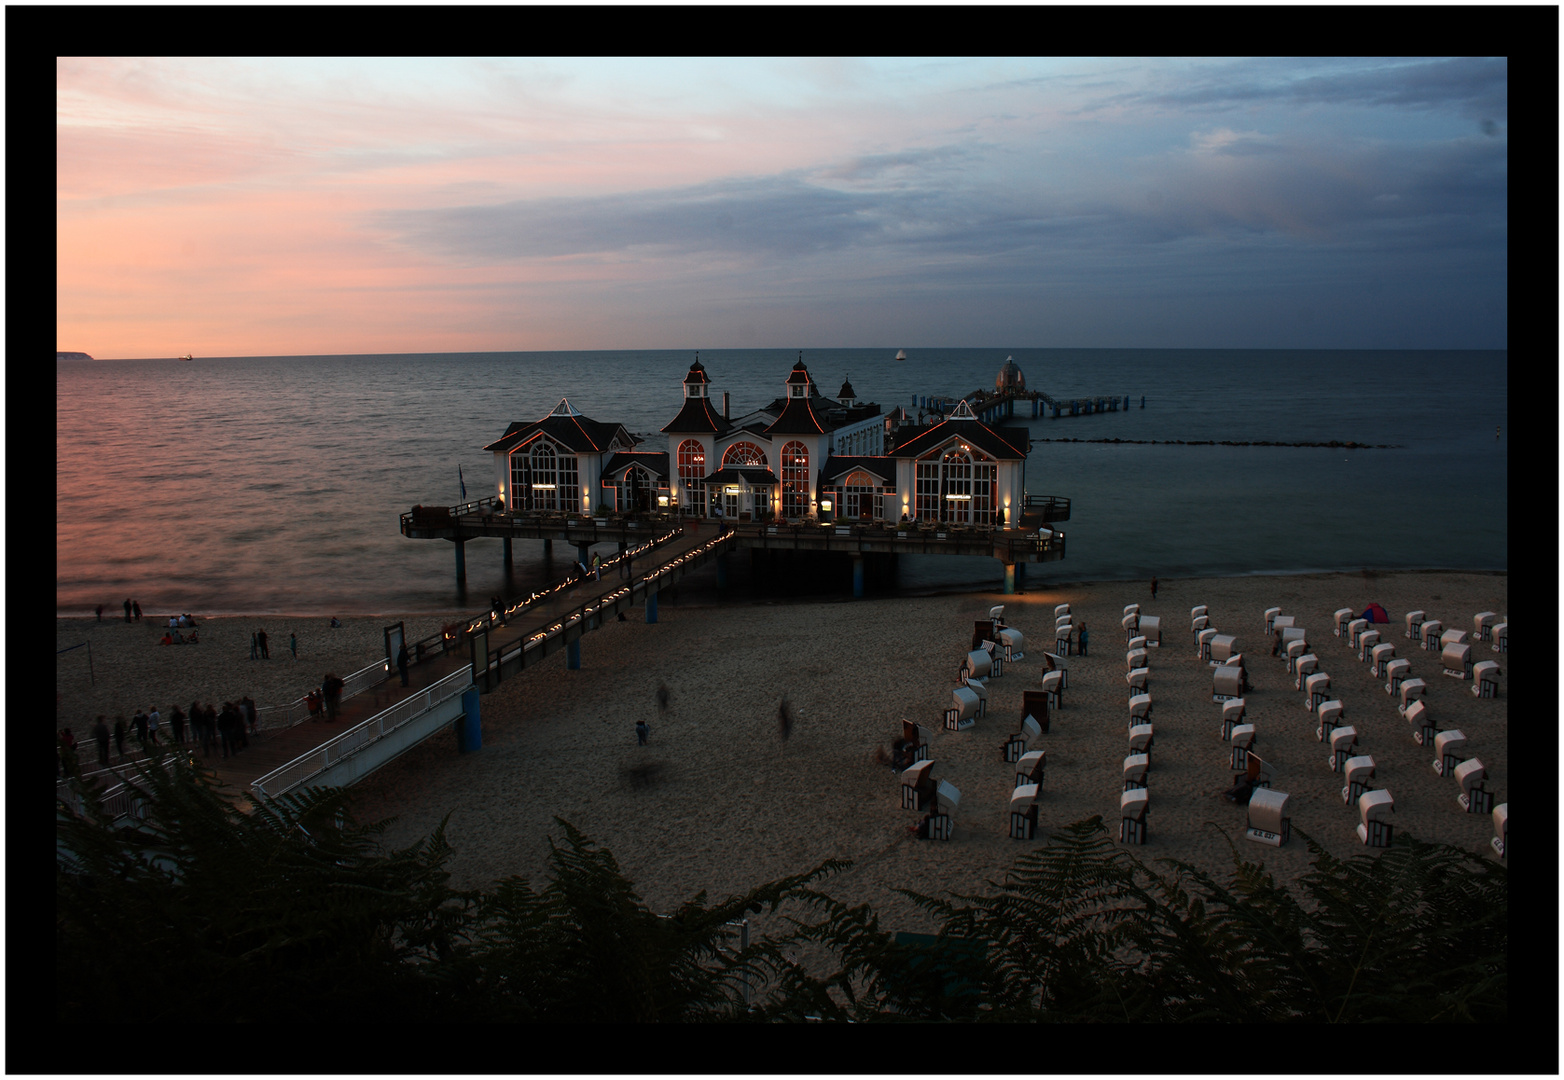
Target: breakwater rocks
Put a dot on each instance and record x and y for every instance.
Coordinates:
(1334, 444)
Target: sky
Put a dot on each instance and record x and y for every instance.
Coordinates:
(247, 207)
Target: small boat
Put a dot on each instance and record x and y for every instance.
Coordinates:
(901, 354)
(187, 356)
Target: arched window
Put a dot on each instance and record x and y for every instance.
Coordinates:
(692, 476)
(744, 453)
(637, 491)
(956, 488)
(795, 479)
(545, 478)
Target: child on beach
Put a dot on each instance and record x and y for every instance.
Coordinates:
(642, 730)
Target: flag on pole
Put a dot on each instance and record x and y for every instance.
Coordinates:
(460, 481)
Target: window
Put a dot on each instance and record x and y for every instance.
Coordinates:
(744, 453)
(637, 491)
(692, 476)
(956, 488)
(795, 480)
(545, 478)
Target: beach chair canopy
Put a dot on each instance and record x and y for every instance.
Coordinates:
(916, 773)
(1375, 806)
(1470, 773)
(1031, 762)
(1030, 728)
(1022, 798)
(1448, 742)
(1267, 808)
(1359, 768)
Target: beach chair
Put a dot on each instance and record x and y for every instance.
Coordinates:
(1140, 739)
(1243, 742)
(1342, 740)
(996, 614)
(1381, 655)
(915, 741)
(1063, 635)
(978, 665)
(1023, 811)
(1227, 683)
(1501, 829)
(1286, 637)
(1223, 646)
(1447, 747)
(1135, 658)
(1053, 689)
(963, 714)
(1374, 810)
(1482, 625)
(1421, 723)
(1203, 641)
(982, 630)
(1137, 680)
(1257, 771)
(1268, 822)
(1270, 616)
(1133, 806)
(1197, 624)
(1343, 616)
(1456, 660)
(1015, 746)
(1011, 643)
(1062, 620)
(1358, 771)
(946, 798)
(1130, 622)
(1415, 625)
(1137, 642)
(1366, 643)
(1317, 689)
(1061, 664)
(1151, 630)
(1411, 690)
(1131, 609)
(1304, 666)
(1280, 623)
(1396, 672)
(1135, 768)
(1451, 637)
(1331, 715)
(1501, 634)
(1486, 679)
(1431, 629)
(1354, 628)
(917, 785)
(1474, 797)
(1294, 650)
(1232, 716)
(1140, 709)
(1199, 612)
(1029, 770)
(980, 688)
(1061, 609)
(1035, 707)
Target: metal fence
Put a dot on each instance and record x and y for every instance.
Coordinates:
(301, 769)
(272, 717)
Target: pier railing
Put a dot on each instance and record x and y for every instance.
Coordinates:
(296, 712)
(302, 768)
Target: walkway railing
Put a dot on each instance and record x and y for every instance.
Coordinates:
(296, 712)
(301, 769)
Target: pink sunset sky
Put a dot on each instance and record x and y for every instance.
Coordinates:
(305, 206)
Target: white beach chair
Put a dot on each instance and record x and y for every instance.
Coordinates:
(1023, 811)
(1286, 637)
(1421, 723)
(1140, 709)
(1500, 635)
(917, 785)
(1135, 658)
(1063, 620)
(1501, 829)
(1343, 616)
(979, 664)
(1331, 714)
(1012, 643)
(1198, 612)
(1136, 642)
(1294, 650)
(1151, 630)
(1243, 742)
(1270, 614)
(1053, 689)
(1140, 739)
(1396, 672)
(1342, 740)
(1232, 716)
(963, 714)
(1015, 746)
(1448, 746)
(1375, 808)
(1137, 680)
(1382, 655)
(1223, 646)
(1474, 797)
(1133, 806)
(1354, 628)
(1227, 683)
(1135, 768)
(1304, 666)
(1029, 770)
(1411, 690)
(1414, 630)
(1203, 641)
(1061, 664)
(1358, 771)
(1268, 822)
(1197, 624)
(1432, 629)
(1130, 622)
(1485, 674)
(996, 613)
(1456, 660)
(1366, 643)
(1482, 625)
(1063, 635)
(1131, 609)
(1452, 637)
(1061, 609)
(1316, 687)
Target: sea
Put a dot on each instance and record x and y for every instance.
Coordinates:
(274, 484)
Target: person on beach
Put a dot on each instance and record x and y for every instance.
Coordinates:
(193, 639)
(127, 609)
(336, 623)
(401, 662)
(1083, 638)
(265, 652)
(331, 690)
(139, 722)
(251, 713)
(100, 734)
(168, 638)
(152, 723)
(1153, 588)
(255, 647)
(119, 736)
(67, 752)
(293, 644)
(100, 612)
(225, 729)
(136, 608)
(642, 731)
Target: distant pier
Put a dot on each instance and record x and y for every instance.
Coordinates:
(991, 406)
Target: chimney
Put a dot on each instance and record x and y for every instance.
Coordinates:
(725, 405)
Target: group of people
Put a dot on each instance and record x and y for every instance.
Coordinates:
(174, 637)
(327, 697)
(227, 730)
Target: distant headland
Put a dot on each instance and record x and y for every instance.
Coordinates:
(72, 356)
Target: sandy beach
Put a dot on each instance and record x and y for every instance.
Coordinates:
(722, 802)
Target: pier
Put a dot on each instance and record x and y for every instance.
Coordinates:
(990, 406)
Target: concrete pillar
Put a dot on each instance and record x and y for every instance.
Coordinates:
(1010, 578)
(573, 655)
(858, 577)
(469, 732)
(548, 548)
(1020, 577)
(584, 554)
(651, 607)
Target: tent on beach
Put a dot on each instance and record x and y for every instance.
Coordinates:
(1375, 613)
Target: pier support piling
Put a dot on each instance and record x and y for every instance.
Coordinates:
(651, 607)
(548, 549)
(573, 655)
(469, 733)
(461, 564)
(510, 564)
(722, 570)
(1010, 578)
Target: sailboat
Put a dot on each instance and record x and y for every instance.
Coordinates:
(901, 354)
(187, 356)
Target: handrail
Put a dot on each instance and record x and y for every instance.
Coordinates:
(297, 711)
(287, 777)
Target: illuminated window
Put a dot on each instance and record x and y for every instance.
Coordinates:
(692, 476)
(744, 453)
(795, 479)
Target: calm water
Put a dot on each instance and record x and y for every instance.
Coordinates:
(274, 484)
